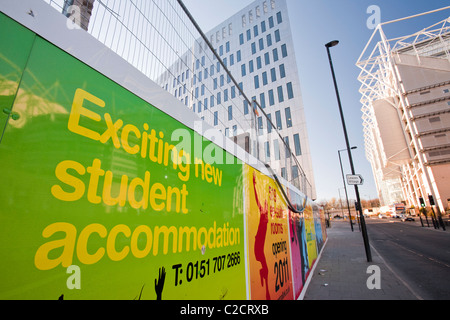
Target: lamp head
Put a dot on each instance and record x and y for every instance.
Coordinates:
(332, 44)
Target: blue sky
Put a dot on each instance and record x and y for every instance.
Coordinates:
(314, 23)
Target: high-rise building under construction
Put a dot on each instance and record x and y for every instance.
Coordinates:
(256, 46)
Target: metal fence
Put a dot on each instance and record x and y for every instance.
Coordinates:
(162, 40)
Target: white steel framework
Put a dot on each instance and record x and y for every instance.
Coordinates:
(382, 80)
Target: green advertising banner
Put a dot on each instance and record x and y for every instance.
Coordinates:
(102, 196)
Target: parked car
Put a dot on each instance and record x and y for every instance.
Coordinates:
(408, 219)
(382, 216)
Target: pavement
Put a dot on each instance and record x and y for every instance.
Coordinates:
(343, 273)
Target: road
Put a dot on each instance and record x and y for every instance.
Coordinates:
(419, 256)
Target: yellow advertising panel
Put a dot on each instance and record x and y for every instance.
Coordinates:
(310, 236)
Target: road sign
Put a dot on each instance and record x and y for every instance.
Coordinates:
(356, 179)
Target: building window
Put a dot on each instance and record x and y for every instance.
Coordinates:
(241, 39)
(255, 30)
(216, 118)
(284, 51)
(279, 18)
(263, 26)
(219, 97)
(446, 90)
(264, 76)
(211, 101)
(275, 54)
(253, 47)
(298, 147)
(260, 126)
(227, 47)
(271, 24)
(288, 117)
(269, 124)
(245, 107)
(276, 147)
(290, 90)
(261, 44)
(277, 36)
(287, 147)
(282, 71)
(238, 56)
(249, 35)
(258, 63)
(230, 113)
(262, 100)
(251, 67)
(243, 70)
(256, 82)
(267, 58)
(267, 150)
(295, 172)
(278, 120)
(273, 74)
(283, 173)
(280, 94)
(271, 98)
(269, 40)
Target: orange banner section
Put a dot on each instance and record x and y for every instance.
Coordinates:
(270, 275)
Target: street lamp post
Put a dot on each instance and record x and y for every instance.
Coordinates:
(361, 216)
(345, 187)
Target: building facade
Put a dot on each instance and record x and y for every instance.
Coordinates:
(256, 46)
(406, 113)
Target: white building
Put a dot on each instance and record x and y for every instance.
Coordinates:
(406, 107)
(256, 46)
